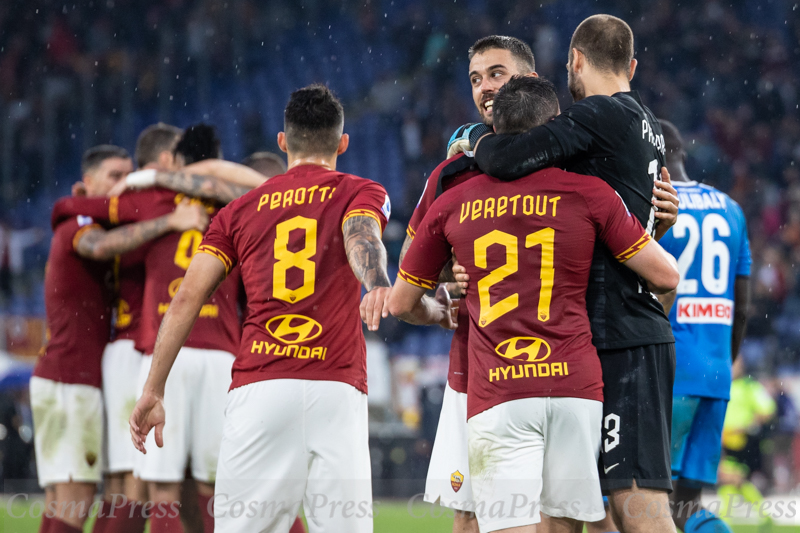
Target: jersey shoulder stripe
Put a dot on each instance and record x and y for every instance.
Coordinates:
(219, 254)
(360, 213)
(414, 280)
(634, 249)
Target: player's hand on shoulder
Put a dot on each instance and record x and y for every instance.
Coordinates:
(374, 307)
(450, 316)
(147, 414)
(462, 278)
(187, 216)
(665, 198)
(465, 137)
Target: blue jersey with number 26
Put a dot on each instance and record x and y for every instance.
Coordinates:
(710, 243)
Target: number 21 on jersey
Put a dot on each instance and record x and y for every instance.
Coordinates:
(490, 312)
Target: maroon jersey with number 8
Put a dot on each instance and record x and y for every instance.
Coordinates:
(302, 319)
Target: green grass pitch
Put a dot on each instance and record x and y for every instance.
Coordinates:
(392, 517)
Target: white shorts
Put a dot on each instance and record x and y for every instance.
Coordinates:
(121, 365)
(68, 426)
(448, 479)
(536, 454)
(288, 441)
(194, 401)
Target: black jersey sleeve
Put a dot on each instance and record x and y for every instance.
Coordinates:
(572, 133)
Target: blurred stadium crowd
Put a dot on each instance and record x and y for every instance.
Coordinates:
(77, 74)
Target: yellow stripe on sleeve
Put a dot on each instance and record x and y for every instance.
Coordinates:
(362, 213)
(219, 254)
(411, 233)
(414, 280)
(634, 249)
(113, 210)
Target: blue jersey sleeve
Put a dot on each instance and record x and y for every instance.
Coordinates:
(744, 260)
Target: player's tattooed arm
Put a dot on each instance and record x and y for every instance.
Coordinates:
(102, 245)
(365, 251)
(198, 186)
(367, 257)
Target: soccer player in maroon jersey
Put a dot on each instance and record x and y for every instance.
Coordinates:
(65, 390)
(535, 386)
(296, 418)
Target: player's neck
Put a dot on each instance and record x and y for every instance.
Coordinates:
(326, 161)
(677, 172)
(606, 85)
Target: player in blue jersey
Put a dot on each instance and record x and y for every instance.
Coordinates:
(708, 320)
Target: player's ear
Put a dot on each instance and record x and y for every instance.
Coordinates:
(344, 142)
(633, 69)
(282, 141)
(532, 74)
(577, 60)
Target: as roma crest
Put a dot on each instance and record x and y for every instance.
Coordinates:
(456, 480)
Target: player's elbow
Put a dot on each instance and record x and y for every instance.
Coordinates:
(666, 281)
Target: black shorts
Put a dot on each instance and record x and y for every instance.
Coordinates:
(637, 417)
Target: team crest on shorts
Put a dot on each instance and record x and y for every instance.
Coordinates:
(456, 480)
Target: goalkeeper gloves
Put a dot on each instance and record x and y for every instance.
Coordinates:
(465, 137)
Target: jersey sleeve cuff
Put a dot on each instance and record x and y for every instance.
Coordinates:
(76, 239)
(634, 249)
(362, 213)
(414, 280)
(410, 232)
(219, 254)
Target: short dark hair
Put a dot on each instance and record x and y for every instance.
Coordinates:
(524, 102)
(153, 140)
(313, 121)
(94, 156)
(673, 141)
(197, 143)
(266, 163)
(521, 51)
(606, 41)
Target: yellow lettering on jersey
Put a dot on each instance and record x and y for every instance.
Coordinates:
(554, 201)
(502, 204)
(291, 350)
(488, 208)
(464, 213)
(288, 197)
(476, 209)
(528, 370)
(291, 197)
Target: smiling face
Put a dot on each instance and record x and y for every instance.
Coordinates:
(488, 71)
